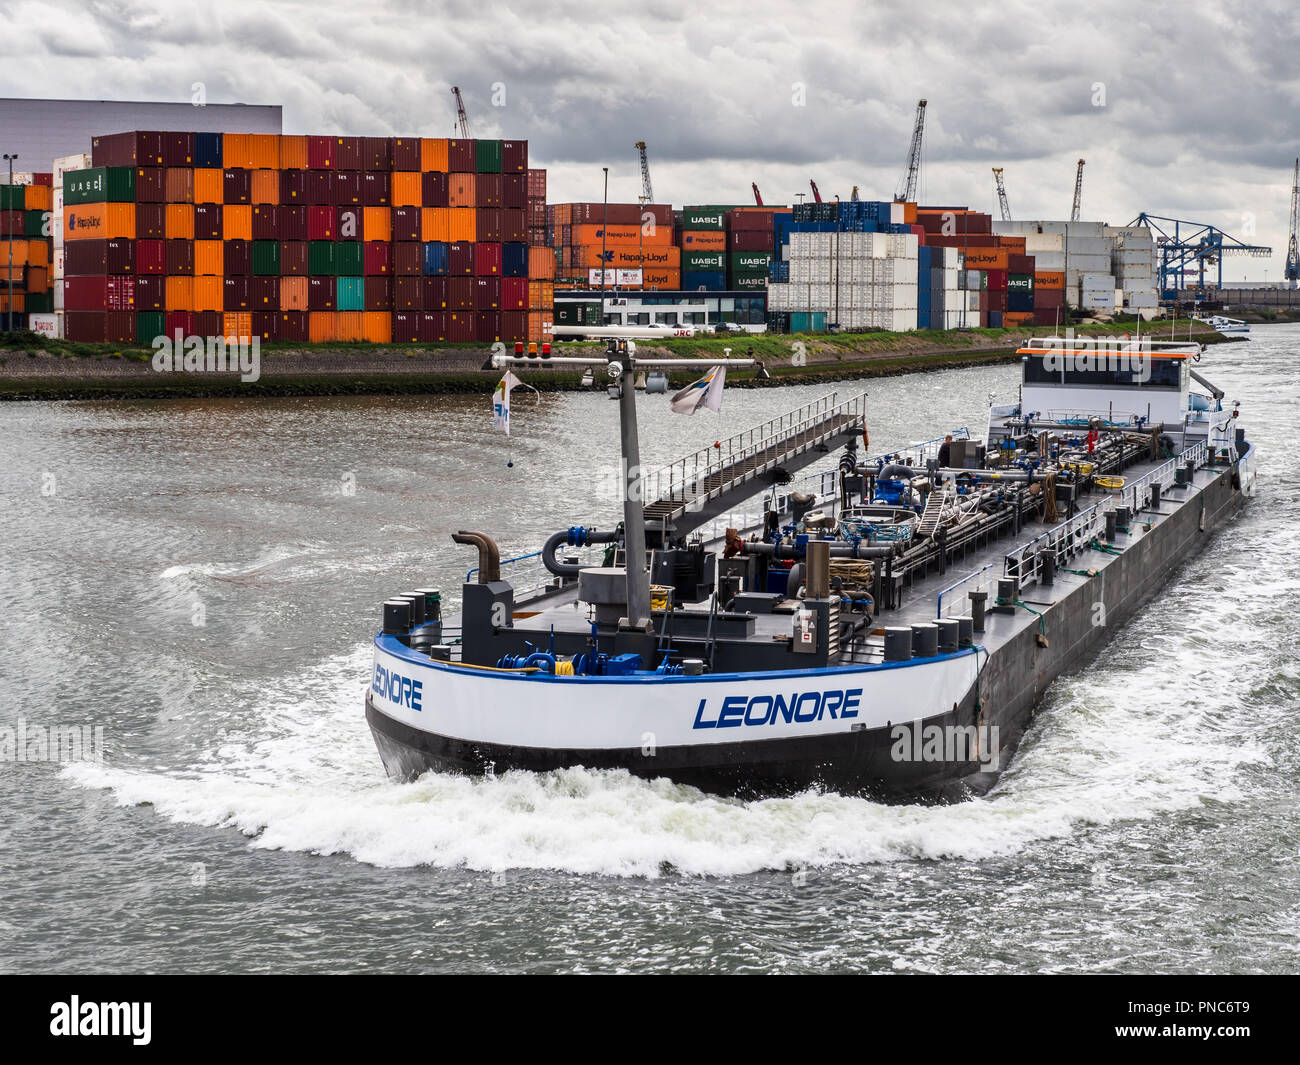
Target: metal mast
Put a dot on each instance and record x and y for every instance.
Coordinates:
(1078, 192)
(1292, 272)
(758, 196)
(646, 189)
(907, 191)
(817, 196)
(1002, 194)
(462, 119)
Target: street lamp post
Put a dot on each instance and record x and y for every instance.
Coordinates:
(604, 236)
(9, 315)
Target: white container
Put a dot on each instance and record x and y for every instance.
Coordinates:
(47, 325)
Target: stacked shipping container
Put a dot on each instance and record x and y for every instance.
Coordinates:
(26, 250)
(626, 244)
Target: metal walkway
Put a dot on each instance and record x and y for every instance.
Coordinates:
(694, 489)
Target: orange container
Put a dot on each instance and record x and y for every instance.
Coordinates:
(407, 188)
(623, 236)
(39, 198)
(293, 293)
(1016, 245)
(38, 253)
(38, 277)
(265, 186)
(178, 184)
(322, 326)
(349, 325)
(909, 214)
(433, 223)
(563, 214)
(663, 258)
(461, 190)
(264, 151)
(208, 185)
(21, 252)
(986, 258)
(178, 222)
(541, 262)
(179, 294)
(378, 327)
(209, 293)
(237, 221)
(701, 240)
(236, 150)
(433, 153)
(541, 326)
(19, 301)
(208, 258)
(1049, 279)
(1018, 318)
(462, 223)
(377, 223)
(99, 221)
(293, 153)
(668, 279)
(237, 324)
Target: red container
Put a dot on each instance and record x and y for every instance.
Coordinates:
(487, 260)
(433, 189)
(84, 326)
(537, 185)
(320, 187)
(514, 191)
(460, 293)
(88, 293)
(377, 153)
(181, 322)
(207, 221)
(406, 327)
(435, 293)
(293, 326)
(98, 257)
(514, 294)
(178, 184)
(293, 258)
(120, 293)
(488, 190)
(487, 293)
(997, 281)
(514, 326)
(433, 326)
(460, 327)
(460, 258)
(150, 186)
(376, 189)
(514, 157)
(322, 293)
(237, 258)
(13, 224)
(406, 223)
(150, 257)
(180, 258)
(349, 223)
(408, 294)
(235, 294)
(378, 262)
(292, 222)
(488, 226)
(321, 223)
(346, 186)
(119, 327)
(741, 221)
(150, 292)
(150, 221)
(406, 153)
(265, 223)
(266, 325)
(236, 186)
(178, 149)
(209, 324)
(320, 153)
(408, 258)
(140, 148)
(293, 186)
(461, 157)
(264, 293)
(379, 294)
(514, 225)
(1020, 264)
(347, 153)
(751, 240)
(487, 327)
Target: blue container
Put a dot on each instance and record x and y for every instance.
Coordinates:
(351, 293)
(781, 228)
(1020, 302)
(713, 280)
(923, 258)
(922, 319)
(995, 319)
(207, 150)
(514, 259)
(435, 257)
(923, 300)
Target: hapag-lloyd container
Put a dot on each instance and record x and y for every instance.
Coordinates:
(102, 221)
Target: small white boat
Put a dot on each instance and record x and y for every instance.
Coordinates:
(1223, 324)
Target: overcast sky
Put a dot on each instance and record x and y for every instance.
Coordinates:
(1183, 109)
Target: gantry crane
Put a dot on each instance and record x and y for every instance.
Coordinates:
(907, 191)
(1002, 194)
(853, 196)
(1187, 248)
(647, 190)
(758, 196)
(1292, 272)
(1078, 192)
(462, 119)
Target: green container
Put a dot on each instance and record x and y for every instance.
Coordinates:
(36, 224)
(807, 322)
(709, 218)
(704, 260)
(487, 157)
(149, 324)
(350, 293)
(348, 261)
(100, 184)
(40, 302)
(747, 281)
(577, 313)
(320, 258)
(266, 258)
(13, 197)
(1020, 282)
(749, 262)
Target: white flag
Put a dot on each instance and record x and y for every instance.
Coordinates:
(706, 392)
(501, 402)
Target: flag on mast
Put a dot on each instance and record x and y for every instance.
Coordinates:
(706, 392)
(501, 402)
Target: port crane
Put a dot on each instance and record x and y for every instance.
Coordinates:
(1187, 248)
(647, 190)
(907, 191)
(462, 119)
(1002, 194)
(853, 196)
(817, 196)
(1078, 192)
(1292, 272)
(758, 196)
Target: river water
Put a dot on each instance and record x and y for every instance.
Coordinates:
(200, 579)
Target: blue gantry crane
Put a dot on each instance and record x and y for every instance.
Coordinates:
(1186, 249)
